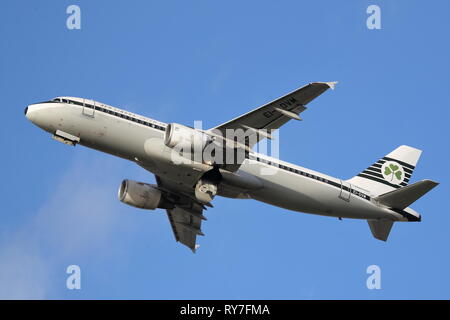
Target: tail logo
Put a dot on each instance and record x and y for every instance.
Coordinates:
(393, 172)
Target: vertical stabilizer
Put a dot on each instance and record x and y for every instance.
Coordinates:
(390, 172)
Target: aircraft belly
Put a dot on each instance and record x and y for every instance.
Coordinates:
(301, 194)
(131, 141)
(114, 136)
(294, 193)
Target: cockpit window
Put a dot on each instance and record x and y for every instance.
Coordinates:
(76, 102)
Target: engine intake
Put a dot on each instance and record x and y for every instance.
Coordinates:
(141, 195)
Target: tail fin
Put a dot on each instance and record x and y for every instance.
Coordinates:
(389, 173)
(399, 199)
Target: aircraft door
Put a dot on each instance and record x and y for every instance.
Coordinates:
(345, 193)
(88, 108)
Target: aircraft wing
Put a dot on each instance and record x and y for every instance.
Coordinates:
(276, 113)
(187, 215)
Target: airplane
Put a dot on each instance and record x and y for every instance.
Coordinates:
(380, 194)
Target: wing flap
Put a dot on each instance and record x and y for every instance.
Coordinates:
(185, 216)
(185, 226)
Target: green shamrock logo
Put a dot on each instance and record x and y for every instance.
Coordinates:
(393, 170)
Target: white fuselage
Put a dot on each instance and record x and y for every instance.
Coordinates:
(140, 139)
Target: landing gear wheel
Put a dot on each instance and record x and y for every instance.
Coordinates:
(205, 190)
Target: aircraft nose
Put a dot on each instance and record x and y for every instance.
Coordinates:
(37, 114)
(29, 113)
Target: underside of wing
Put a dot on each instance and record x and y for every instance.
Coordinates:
(186, 215)
(273, 115)
(186, 225)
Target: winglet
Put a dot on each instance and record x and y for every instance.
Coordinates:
(332, 84)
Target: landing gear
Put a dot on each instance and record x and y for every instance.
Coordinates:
(206, 187)
(205, 190)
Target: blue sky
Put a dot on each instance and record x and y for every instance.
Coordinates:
(180, 61)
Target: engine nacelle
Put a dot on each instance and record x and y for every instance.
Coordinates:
(200, 147)
(141, 195)
(185, 138)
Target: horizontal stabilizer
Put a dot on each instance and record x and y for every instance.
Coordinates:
(380, 229)
(403, 197)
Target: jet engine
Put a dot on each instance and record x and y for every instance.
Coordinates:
(204, 148)
(185, 138)
(142, 195)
